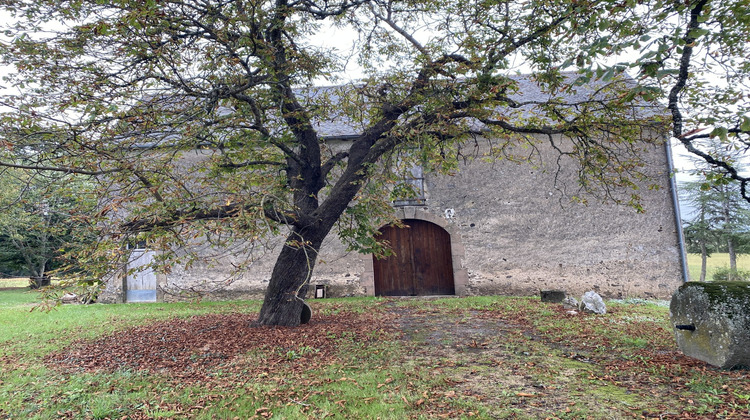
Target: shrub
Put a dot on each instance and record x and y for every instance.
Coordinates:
(727, 274)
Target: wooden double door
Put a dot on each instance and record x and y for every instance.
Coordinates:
(422, 263)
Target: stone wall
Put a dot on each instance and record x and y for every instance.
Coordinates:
(522, 232)
(518, 232)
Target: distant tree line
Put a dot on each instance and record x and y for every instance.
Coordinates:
(719, 222)
(43, 218)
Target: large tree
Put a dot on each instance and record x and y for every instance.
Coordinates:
(718, 223)
(41, 221)
(201, 118)
(694, 56)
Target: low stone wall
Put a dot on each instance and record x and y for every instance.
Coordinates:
(712, 322)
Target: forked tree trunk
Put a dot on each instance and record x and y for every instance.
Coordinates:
(283, 301)
(39, 277)
(283, 304)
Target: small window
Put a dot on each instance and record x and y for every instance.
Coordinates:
(136, 244)
(410, 191)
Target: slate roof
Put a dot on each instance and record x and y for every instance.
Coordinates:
(338, 126)
(529, 91)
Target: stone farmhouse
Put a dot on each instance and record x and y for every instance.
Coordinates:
(493, 227)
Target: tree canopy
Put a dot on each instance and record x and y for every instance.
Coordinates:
(719, 217)
(202, 119)
(719, 222)
(698, 59)
(43, 221)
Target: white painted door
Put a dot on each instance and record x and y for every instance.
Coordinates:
(141, 283)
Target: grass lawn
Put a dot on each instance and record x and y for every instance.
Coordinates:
(716, 260)
(365, 358)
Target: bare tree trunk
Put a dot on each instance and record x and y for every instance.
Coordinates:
(283, 302)
(38, 271)
(704, 260)
(727, 215)
(732, 255)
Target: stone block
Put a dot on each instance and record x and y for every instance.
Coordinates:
(552, 296)
(593, 303)
(711, 322)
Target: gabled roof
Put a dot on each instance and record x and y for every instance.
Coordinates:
(529, 92)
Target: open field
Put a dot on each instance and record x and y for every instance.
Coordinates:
(716, 260)
(14, 282)
(364, 358)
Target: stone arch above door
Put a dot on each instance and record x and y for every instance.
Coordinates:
(460, 275)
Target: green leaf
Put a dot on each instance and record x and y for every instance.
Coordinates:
(697, 33)
(666, 72)
(745, 126)
(720, 132)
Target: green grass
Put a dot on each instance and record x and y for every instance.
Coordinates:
(715, 261)
(479, 357)
(27, 331)
(17, 297)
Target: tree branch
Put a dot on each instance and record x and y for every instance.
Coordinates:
(251, 163)
(674, 104)
(66, 170)
(400, 30)
(330, 163)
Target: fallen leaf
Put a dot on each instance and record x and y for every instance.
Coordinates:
(525, 394)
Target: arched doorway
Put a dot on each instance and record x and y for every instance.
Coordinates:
(422, 264)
